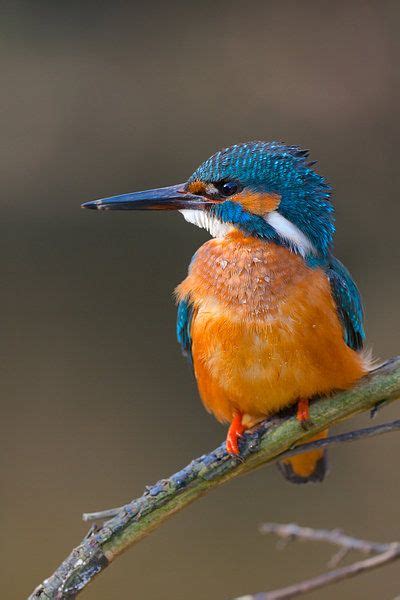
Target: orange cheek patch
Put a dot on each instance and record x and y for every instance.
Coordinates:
(196, 187)
(259, 204)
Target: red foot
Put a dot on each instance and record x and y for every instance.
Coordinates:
(303, 412)
(235, 431)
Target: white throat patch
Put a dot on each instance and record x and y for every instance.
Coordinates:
(205, 220)
(290, 233)
(298, 241)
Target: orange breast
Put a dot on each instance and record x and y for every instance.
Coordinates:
(265, 330)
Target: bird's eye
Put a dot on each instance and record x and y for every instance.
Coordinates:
(228, 188)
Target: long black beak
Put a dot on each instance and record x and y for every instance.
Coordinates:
(174, 197)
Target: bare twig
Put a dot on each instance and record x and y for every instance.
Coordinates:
(337, 558)
(292, 531)
(349, 436)
(333, 440)
(264, 444)
(384, 554)
(309, 585)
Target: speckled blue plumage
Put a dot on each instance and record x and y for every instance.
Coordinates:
(272, 167)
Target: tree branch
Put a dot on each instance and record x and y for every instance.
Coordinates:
(291, 531)
(333, 440)
(384, 554)
(264, 444)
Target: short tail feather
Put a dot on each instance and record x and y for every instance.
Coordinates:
(307, 467)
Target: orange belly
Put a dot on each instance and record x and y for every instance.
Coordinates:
(265, 330)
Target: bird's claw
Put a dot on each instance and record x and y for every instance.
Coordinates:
(306, 424)
(235, 431)
(303, 414)
(375, 409)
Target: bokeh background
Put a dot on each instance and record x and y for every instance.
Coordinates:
(100, 98)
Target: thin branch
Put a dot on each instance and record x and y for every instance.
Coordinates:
(337, 558)
(264, 444)
(349, 436)
(309, 585)
(333, 440)
(292, 531)
(384, 554)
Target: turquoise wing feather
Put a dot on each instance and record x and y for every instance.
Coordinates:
(183, 324)
(348, 302)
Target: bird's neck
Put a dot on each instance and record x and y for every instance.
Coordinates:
(242, 273)
(229, 217)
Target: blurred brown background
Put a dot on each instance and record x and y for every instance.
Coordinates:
(100, 98)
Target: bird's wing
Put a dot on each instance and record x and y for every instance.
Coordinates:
(348, 302)
(183, 325)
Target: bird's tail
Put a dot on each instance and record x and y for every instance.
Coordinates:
(309, 466)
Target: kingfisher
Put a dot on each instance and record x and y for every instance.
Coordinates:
(267, 316)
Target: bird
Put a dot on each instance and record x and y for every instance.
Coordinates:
(267, 316)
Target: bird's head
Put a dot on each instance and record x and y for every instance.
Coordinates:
(265, 189)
